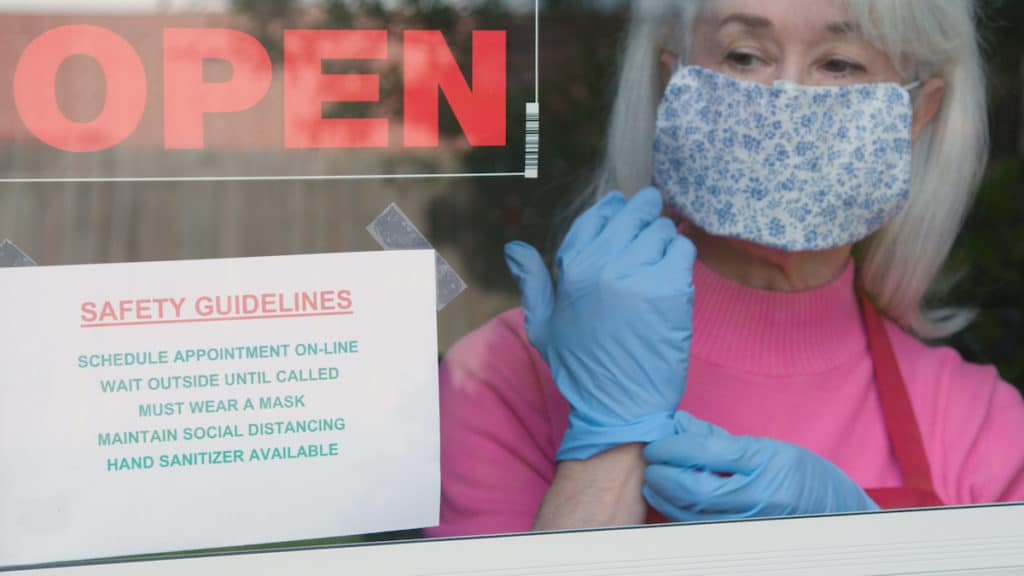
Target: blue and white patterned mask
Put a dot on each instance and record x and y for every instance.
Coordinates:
(787, 166)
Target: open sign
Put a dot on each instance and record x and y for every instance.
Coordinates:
(428, 69)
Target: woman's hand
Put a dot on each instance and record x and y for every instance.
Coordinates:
(617, 333)
(704, 473)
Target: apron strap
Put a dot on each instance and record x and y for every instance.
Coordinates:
(898, 412)
(901, 497)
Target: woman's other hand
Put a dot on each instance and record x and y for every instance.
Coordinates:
(704, 473)
(616, 333)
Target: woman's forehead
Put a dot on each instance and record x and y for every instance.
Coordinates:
(781, 16)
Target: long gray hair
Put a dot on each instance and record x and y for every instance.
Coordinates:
(925, 38)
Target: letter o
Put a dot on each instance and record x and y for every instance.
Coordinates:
(36, 99)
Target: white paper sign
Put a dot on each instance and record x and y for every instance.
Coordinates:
(167, 406)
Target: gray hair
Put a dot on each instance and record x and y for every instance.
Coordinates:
(899, 264)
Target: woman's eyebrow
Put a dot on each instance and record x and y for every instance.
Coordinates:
(758, 23)
(843, 28)
(748, 20)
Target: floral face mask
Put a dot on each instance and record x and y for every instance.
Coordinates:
(787, 166)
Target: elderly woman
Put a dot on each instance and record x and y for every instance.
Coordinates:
(756, 353)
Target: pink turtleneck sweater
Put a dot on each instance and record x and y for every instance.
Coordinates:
(789, 366)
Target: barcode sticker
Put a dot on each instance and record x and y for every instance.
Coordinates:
(532, 139)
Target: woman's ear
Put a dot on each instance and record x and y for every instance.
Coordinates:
(666, 66)
(927, 105)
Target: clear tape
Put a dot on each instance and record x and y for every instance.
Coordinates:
(11, 256)
(393, 230)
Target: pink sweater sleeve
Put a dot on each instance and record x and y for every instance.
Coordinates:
(984, 435)
(971, 420)
(497, 444)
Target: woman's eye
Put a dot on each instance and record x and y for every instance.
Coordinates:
(840, 67)
(742, 59)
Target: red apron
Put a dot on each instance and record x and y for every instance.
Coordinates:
(917, 490)
(900, 422)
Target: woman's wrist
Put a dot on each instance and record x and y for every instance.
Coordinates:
(604, 490)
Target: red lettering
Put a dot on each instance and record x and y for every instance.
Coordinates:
(429, 70)
(36, 99)
(325, 299)
(306, 88)
(267, 303)
(107, 312)
(204, 306)
(282, 304)
(344, 299)
(187, 97)
(143, 310)
(429, 66)
(88, 311)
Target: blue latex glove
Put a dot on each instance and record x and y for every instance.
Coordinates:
(617, 334)
(704, 473)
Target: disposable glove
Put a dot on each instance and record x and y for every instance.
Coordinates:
(704, 473)
(617, 333)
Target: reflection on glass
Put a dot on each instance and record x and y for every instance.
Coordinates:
(793, 321)
(788, 404)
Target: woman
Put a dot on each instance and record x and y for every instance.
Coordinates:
(766, 361)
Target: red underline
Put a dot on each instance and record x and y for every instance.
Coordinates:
(217, 319)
